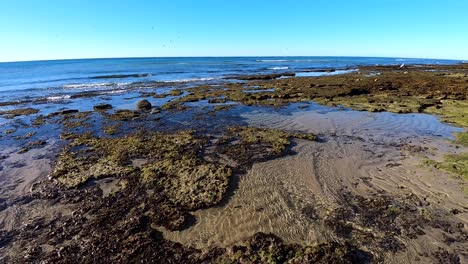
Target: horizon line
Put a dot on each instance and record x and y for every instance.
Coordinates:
(251, 56)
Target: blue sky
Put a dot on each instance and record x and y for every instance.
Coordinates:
(60, 29)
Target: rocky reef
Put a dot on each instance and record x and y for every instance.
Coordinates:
(121, 176)
(159, 178)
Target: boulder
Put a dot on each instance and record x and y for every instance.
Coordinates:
(144, 105)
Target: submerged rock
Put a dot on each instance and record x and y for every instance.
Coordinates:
(64, 112)
(124, 115)
(99, 107)
(144, 105)
(175, 92)
(18, 112)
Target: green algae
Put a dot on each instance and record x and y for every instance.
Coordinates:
(39, 121)
(189, 182)
(111, 157)
(232, 92)
(455, 112)
(124, 115)
(456, 164)
(222, 108)
(112, 129)
(76, 120)
(178, 102)
(461, 139)
(74, 171)
(452, 111)
(277, 139)
(380, 103)
(175, 92)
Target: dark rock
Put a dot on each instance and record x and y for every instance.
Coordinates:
(64, 112)
(358, 91)
(320, 70)
(217, 100)
(102, 107)
(144, 105)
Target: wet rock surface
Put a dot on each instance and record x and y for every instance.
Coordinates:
(144, 105)
(18, 112)
(413, 89)
(102, 107)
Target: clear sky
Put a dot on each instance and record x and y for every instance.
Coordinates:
(60, 29)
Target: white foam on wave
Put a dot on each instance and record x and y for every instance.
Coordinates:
(91, 85)
(272, 60)
(305, 60)
(193, 80)
(114, 92)
(58, 98)
(315, 74)
(278, 68)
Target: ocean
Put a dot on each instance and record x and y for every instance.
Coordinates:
(60, 79)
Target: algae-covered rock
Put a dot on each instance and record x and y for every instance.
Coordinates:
(124, 115)
(175, 92)
(74, 171)
(111, 130)
(18, 112)
(277, 139)
(217, 100)
(453, 111)
(144, 105)
(453, 163)
(462, 139)
(173, 154)
(189, 182)
(38, 121)
(268, 248)
(417, 90)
